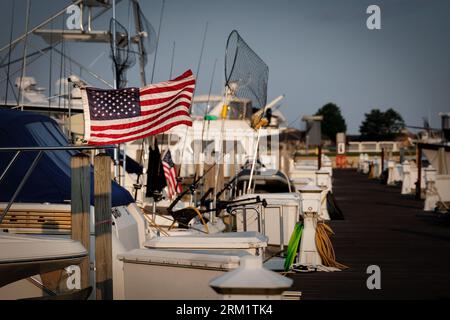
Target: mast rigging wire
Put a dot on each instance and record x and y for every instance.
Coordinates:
(61, 64)
(51, 69)
(193, 93)
(16, 41)
(39, 26)
(157, 40)
(9, 50)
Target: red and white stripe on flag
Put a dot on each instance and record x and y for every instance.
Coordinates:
(173, 185)
(121, 115)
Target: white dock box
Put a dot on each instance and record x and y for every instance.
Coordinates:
(253, 242)
(175, 274)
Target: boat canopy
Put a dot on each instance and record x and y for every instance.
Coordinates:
(50, 180)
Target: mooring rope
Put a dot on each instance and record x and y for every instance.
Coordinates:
(325, 247)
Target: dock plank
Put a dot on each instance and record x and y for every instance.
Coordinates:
(384, 228)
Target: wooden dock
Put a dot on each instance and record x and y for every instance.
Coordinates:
(384, 228)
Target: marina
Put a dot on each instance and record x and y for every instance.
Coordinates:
(126, 184)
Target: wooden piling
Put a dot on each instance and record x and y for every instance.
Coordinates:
(319, 157)
(233, 166)
(209, 176)
(80, 208)
(220, 177)
(284, 159)
(103, 241)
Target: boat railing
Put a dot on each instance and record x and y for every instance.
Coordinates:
(40, 151)
(244, 208)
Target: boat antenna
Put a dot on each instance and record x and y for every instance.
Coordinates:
(201, 52)
(210, 84)
(209, 97)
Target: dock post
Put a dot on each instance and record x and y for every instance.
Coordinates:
(419, 172)
(80, 208)
(103, 241)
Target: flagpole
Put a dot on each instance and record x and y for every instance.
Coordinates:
(170, 77)
(153, 141)
(144, 152)
(114, 39)
(117, 149)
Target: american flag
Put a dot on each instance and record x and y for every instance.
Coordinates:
(173, 185)
(121, 115)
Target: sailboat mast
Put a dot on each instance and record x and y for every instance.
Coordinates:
(138, 28)
(24, 61)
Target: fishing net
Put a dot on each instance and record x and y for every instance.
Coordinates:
(246, 74)
(123, 58)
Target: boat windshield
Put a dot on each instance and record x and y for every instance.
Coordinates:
(237, 109)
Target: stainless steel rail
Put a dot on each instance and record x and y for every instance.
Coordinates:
(40, 151)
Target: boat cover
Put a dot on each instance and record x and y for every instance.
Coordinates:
(50, 180)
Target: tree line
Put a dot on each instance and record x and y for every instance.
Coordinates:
(377, 125)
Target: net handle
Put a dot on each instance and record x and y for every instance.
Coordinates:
(227, 77)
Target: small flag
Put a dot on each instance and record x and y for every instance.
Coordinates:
(121, 115)
(171, 176)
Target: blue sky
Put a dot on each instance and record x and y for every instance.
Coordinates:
(317, 51)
